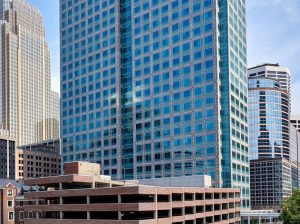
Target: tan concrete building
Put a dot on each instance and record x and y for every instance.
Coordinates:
(38, 160)
(28, 107)
(82, 195)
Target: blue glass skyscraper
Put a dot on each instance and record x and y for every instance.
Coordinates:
(273, 141)
(269, 119)
(156, 88)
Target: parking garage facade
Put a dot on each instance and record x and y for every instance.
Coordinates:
(85, 199)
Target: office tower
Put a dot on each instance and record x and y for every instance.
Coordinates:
(270, 183)
(295, 156)
(7, 155)
(295, 145)
(273, 141)
(156, 88)
(52, 123)
(268, 119)
(26, 95)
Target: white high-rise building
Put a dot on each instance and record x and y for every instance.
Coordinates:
(273, 71)
(295, 120)
(273, 141)
(28, 106)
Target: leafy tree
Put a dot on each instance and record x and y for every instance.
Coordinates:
(291, 209)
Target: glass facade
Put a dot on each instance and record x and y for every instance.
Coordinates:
(268, 119)
(156, 88)
(7, 155)
(273, 141)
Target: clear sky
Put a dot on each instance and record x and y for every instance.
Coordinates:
(273, 36)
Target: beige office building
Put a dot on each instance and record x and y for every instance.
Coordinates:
(29, 108)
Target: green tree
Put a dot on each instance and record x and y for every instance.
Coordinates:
(291, 209)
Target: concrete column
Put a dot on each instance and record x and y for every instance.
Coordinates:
(249, 219)
(259, 220)
(61, 216)
(88, 213)
(155, 201)
(119, 202)
(37, 213)
(60, 187)
(170, 211)
(271, 220)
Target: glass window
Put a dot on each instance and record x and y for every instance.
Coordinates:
(9, 204)
(10, 216)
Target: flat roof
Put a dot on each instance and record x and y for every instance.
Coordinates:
(265, 64)
(69, 178)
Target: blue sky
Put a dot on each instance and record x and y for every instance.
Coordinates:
(273, 36)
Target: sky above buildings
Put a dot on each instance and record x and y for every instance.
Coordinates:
(273, 37)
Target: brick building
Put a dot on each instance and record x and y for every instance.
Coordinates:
(81, 195)
(38, 160)
(9, 189)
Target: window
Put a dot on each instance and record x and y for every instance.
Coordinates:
(9, 204)
(10, 193)
(10, 216)
(21, 216)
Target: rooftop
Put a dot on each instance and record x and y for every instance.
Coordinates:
(5, 182)
(264, 65)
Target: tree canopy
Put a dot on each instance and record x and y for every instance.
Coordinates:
(291, 209)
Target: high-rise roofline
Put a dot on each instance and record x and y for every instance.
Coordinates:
(263, 65)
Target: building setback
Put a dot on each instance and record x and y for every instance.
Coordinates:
(147, 90)
(38, 160)
(77, 197)
(29, 109)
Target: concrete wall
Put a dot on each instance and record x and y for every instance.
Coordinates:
(202, 181)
